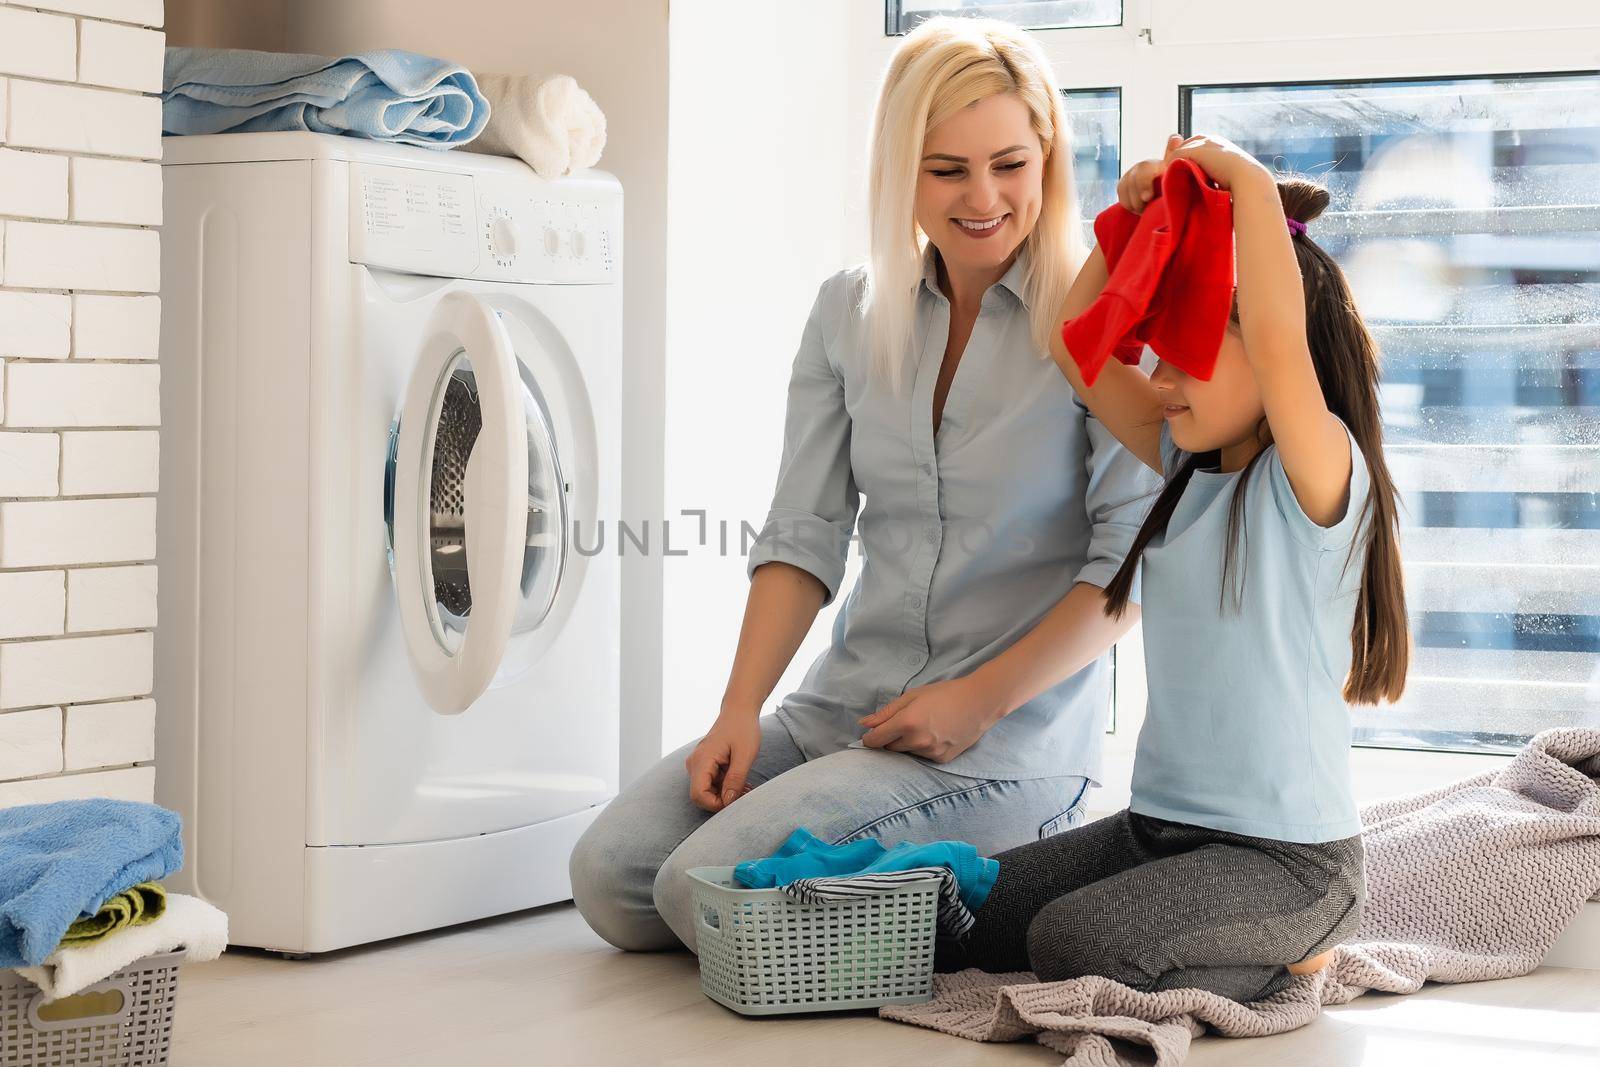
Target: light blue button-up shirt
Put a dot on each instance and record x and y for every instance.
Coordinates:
(968, 537)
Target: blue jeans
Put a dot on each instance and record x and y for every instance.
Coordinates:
(628, 869)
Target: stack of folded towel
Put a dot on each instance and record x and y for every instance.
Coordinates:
(80, 896)
(384, 95)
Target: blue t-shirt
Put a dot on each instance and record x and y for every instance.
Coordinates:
(1246, 728)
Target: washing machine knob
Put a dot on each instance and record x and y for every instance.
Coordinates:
(503, 237)
(552, 240)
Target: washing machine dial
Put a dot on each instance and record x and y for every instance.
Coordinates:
(552, 240)
(504, 237)
(578, 244)
(501, 233)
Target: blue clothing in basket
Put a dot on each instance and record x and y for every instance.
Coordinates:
(382, 95)
(59, 861)
(805, 855)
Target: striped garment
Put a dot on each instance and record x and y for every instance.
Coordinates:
(953, 920)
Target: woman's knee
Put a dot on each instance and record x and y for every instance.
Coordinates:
(669, 887)
(672, 890)
(611, 888)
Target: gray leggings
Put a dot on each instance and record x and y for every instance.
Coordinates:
(1159, 905)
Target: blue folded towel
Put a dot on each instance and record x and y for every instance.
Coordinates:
(805, 855)
(384, 95)
(59, 861)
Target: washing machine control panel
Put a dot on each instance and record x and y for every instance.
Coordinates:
(492, 224)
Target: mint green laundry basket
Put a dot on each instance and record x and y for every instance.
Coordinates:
(762, 953)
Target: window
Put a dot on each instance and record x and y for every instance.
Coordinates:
(1466, 214)
(902, 16)
(1095, 119)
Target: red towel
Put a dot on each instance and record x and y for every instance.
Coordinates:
(1170, 283)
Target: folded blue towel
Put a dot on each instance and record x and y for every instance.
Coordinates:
(384, 95)
(805, 855)
(59, 861)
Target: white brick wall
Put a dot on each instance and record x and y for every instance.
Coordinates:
(80, 267)
(31, 743)
(105, 735)
(32, 604)
(33, 184)
(116, 327)
(66, 118)
(35, 324)
(109, 462)
(52, 533)
(43, 255)
(37, 45)
(28, 463)
(116, 190)
(111, 598)
(83, 394)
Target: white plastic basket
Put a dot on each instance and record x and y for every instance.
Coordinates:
(762, 953)
(124, 1020)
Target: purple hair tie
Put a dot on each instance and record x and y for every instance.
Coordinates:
(1296, 227)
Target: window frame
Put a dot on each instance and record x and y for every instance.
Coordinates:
(894, 15)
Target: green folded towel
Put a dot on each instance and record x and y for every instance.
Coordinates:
(144, 903)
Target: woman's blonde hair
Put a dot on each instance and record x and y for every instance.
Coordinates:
(944, 65)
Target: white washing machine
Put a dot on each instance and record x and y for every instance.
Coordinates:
(387, 665)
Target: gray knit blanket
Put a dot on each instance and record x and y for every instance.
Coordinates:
(1467, 883)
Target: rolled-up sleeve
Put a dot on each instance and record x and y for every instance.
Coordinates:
(1121, 490)
(814, 505)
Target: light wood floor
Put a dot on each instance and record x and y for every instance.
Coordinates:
(540, 988)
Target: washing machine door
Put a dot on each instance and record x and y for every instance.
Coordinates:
(460, 498)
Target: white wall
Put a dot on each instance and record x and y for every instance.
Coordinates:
(80, 200)
(770, 120)
(759, 157)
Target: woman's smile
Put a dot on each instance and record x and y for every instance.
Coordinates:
(1172, 411)
(982, 228)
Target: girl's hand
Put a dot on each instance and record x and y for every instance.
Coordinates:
(1137, 187)
(1223, 161)
(938, 721)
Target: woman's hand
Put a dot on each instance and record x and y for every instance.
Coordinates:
(938, 721)
(719, 767)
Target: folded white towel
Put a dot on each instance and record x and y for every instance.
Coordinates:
(551, 123)
(188, 922)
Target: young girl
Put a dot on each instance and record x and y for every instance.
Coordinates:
(1272, 597)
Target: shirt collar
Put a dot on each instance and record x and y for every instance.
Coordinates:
(1012, 280)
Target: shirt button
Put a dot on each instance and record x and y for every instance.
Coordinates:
(930, 536)
(926, 469)
(916, 602)
(913, 658)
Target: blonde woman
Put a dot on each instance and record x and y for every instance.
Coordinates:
(965, 691)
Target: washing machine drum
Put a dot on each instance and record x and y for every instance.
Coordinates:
(460, 421)
(476, 505)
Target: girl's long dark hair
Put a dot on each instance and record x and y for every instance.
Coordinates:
(1346, 360)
